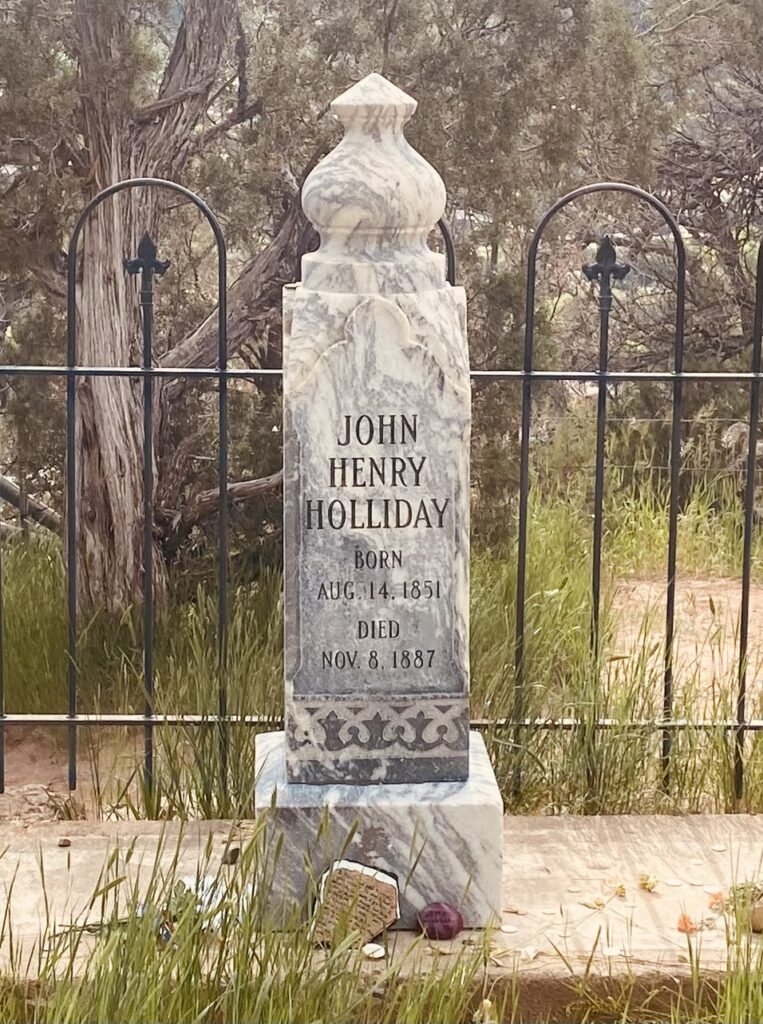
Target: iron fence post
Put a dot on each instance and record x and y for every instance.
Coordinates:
(148, 266)
(749, 523)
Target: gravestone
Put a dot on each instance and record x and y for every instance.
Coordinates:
(376, 539)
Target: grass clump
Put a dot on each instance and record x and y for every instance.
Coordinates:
(152, 946)
(204, 771)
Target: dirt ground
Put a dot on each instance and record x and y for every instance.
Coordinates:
(36, 772)
(707, 644)
(707, 636)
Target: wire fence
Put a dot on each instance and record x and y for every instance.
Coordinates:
(604, 271)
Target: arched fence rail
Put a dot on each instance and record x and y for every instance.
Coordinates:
(604, 271)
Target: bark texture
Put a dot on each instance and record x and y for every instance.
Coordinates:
(123, 142)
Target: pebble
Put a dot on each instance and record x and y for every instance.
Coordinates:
(509, 929)
(574, 888)
(231, 855)
(64, 842)
(440, 921)
(373, 951)
(673, 881)
(756, 917)
(719, 848)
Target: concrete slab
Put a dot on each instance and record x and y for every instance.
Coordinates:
(573, 910)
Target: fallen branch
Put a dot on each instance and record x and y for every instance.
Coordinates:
(243, 490)
(35, 510)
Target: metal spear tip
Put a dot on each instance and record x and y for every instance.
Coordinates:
(146, 248)
(606, 264)
(146, 259)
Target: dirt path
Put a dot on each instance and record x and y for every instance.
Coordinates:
(707, 634)
(36, 772)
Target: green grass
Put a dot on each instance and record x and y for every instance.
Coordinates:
(710, 531)
(224, 961)
(584, 770)
(251, 973)
(236, 955)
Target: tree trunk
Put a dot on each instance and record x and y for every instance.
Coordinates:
(125, 142)
(109, 417)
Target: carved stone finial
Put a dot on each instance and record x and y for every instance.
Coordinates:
(373, 200)
(373, 100)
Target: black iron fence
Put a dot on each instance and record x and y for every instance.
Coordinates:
(604, 271)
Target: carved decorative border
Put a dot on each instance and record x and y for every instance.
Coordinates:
(430, 727)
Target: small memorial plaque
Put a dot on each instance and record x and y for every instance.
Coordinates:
(355, 898)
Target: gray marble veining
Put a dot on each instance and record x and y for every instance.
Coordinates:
(442, 841)
(376, 469)
(377, 421)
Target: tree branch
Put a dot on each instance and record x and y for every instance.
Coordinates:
(152, 110)
(244, 490)
(167, 125)
(252, 298)
(34, 509)
(240, 114)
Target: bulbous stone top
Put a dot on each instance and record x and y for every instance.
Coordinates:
(373, 199)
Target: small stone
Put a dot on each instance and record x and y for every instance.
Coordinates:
(440, 921)
(64, 842)
(231, 855)
(509, 929)
(719, 848)
(373, 951)
(756, 916)
(675, 882)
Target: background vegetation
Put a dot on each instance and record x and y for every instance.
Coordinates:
(517, 104)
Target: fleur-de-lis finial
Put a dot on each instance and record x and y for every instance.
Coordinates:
(146, 260)
(605, 270)
(606, 263)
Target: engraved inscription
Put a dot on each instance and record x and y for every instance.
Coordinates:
(404, 493)
(376, 551)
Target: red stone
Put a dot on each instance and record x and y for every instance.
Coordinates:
(440, 921)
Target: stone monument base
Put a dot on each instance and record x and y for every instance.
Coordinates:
(442, 840)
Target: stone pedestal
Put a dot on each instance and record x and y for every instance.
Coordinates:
(441, 840)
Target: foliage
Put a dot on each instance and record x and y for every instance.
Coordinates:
(517, 103)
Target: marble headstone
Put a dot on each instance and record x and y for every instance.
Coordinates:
(376, 518)
(376, 485)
